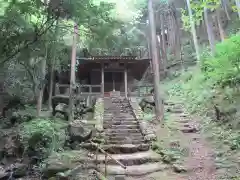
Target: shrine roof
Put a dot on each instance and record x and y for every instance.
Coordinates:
(99, 59)
(114, 58)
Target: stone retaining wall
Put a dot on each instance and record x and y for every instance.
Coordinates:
(146, 129)
(98, 114)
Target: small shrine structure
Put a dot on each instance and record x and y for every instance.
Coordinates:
(105, 74)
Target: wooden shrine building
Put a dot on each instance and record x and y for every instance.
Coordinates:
(104, 74)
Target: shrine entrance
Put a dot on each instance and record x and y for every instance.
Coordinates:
(113, 81)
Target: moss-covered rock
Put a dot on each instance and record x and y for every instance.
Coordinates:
(64, 161)
(40, 137)
(79, 131)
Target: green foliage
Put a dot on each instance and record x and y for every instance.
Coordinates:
(224, 68)
(215, 83)
(28, 35)
(43, 135)
(197, 8)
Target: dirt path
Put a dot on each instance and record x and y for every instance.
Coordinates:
(183, 132)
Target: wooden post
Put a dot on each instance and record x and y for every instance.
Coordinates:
(102, 83)
(90, 89)
(158, 102)
(125, 82)
(72, 77)
(113, 79)
(106, 164)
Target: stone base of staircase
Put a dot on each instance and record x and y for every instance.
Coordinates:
(125, 142)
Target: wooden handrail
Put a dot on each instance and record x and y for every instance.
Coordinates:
(104, 152)
(106, 155)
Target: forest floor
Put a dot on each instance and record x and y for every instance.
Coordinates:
(192, 156)
(183, 146)
(197, 146)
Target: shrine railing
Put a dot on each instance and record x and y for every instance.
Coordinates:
(83, 89)
(90, 89)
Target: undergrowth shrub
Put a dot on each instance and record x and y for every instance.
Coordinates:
(41, 137)
(223, 69)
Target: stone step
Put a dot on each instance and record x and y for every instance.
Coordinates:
(134, 122)
(115, 119)
(127, 115)
(135, 170)
(127, 131)
(127, 141)
(122, 126)
(121, 138)
(131, 159)
(119, 120)
(137, 134)
(125, 148)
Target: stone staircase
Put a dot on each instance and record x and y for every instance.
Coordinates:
(125, 142)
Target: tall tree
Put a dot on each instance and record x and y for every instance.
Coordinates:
(158, 102)
(52, 64)
(209, 30)
(72, 76)
(42, 81)
(193, 29)
(238, 7)
(219, 24)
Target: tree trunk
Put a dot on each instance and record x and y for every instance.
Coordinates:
(170, 32)
(161, 54)
(72, 78)
(159, 105)
(221, 30)
(42, 83)
(52, 67)
(163, 43)
(224, 4)
(177, 34)
(209, 31)
(193, 30)
(238, 7)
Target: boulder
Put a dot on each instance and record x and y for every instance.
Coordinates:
(19, 170)
(78, 131)
(148, 131)
(12, 146)
(64, 161)
(147, 101)
(178, 168)
(3, 174)
(62, 108)
(150, 137)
